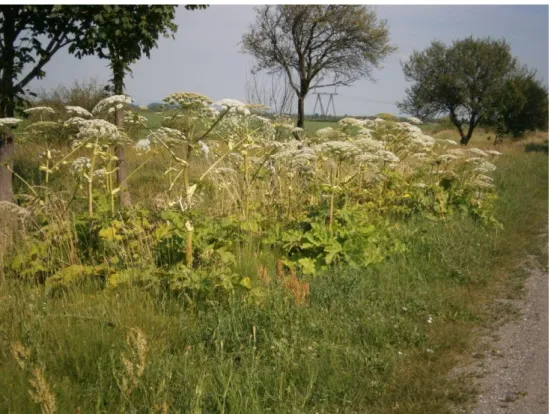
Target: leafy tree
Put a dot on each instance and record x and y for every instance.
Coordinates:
(29, 37)
(317, 46)
(522, 105)
(460, 80)
(122, 34)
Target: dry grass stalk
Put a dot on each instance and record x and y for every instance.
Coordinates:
(41, 393)
(134, 363)
(263, 275)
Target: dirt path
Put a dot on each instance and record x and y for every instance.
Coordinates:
(512, 365)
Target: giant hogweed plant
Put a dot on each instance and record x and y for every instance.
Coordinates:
(236, 176)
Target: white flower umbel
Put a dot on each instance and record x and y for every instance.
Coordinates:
(364, 133)
(75, 120)
(341, 149)
(98, 129)
(493, 152)
(233, 106)
(170, 134)
(187, 100)
(478, 151)
(325, 132)
(483, 181)
(369, 144)
(143, 145)
(458, 152)
(78, 111)
(447, 157)
(387, 156)
(80, 165)
(485, 167)
(414, 121)
(411, 128)
(420, 185)
(40, 110)
(422, 140)
(448, 141)
(9, 121)
(115, 101)
(100, 173)
(348, 121)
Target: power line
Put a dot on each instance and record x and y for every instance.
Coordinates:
(366, 100)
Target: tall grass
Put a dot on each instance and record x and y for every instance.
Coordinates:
(376, 340)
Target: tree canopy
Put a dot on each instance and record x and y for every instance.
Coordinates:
(460, 80)
(317, 46)
(522, 105)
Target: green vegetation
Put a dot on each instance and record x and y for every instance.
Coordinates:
(363, 342)
(234, 291)
(475, 82)
(205, 257)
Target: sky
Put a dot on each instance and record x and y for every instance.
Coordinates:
(205, 56)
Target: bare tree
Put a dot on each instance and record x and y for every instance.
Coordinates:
(317, 46)
(275, 93)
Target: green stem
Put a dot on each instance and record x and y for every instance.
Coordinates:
(246, 176)
(221, 158)
(110, 183)
(90, 182)
(22, 179)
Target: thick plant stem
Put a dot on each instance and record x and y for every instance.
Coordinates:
(186, 186)
(246, 178)
(186, 175)
(110, 184)
(189, 245)
(331, 202)
(90, 182)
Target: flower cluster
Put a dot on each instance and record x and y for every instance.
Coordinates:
(78, 111)
(9, 121)
(40, 110)
(233, 106)
(98, 129)
(414, 121)
(112, 103)
(80, 164)
(143, 145)
(187, 100)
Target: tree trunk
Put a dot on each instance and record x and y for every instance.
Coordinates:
(6, 153)
(300, 121)
(7, 104)
(122, 169)
(459, 127)
(472, 125)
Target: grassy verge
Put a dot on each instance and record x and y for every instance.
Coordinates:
(376, 340)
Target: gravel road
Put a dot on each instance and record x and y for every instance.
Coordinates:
(512, 366)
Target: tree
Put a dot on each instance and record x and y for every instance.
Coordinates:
(122, 34)
(460, 80)
(311, 43)
(29, 37)
(522, 105)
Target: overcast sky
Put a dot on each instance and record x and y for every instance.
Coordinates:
(205, 57)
